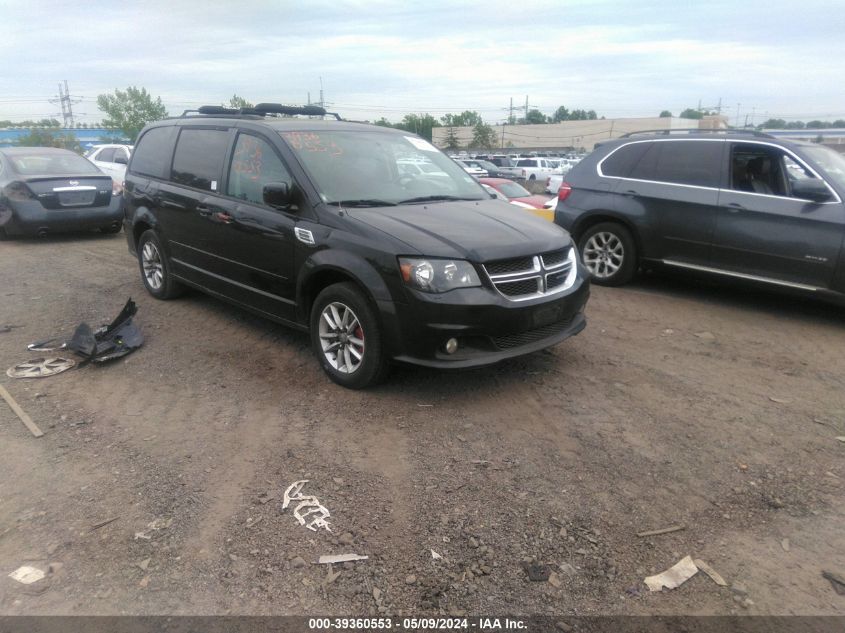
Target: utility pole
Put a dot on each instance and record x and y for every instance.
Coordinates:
(526, 109)
(510, 118)
(503, 129)
(322, 103)
(66, 103)
(737, 114)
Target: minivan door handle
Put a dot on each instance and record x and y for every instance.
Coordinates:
(630, 192)
(169, 204)
(203, 210)
(735, 207)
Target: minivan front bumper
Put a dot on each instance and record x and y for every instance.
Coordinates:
(488, 327)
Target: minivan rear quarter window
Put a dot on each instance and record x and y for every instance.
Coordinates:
(152, 155)
(198, 161)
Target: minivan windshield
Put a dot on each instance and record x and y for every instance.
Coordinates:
(374, 168)
(831, 161)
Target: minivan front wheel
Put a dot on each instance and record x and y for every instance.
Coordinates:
(346, 337)
(155, 269)
(608, 252)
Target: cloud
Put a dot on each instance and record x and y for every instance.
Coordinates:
(387, 58)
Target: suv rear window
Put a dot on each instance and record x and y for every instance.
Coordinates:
(151, 157)
(622, 161)
(199, 157)
(681, 162)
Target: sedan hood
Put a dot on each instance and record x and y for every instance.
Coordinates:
(479, 231)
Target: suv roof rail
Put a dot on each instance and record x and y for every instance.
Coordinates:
(695, 130)
(262, 109)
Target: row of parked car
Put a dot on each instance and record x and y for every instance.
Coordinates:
(384, 249)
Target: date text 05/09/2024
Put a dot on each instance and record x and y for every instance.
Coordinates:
(418, 624)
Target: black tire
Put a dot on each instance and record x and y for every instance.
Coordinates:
(532, 177)
(607, 245)
(111, 228)
(168, 288)
(373, 366)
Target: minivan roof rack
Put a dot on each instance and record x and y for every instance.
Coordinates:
(262, 109)
(695, 130)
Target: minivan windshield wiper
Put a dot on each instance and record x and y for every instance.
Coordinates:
(435, 198)
(363, 202)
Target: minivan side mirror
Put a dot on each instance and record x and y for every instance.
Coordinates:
(277, 195)
(812, 189)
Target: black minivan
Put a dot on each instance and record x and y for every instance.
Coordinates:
(310, 222)
(734, 203)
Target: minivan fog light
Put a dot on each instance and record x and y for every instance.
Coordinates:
(451, 346)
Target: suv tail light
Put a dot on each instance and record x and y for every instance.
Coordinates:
(564, 191)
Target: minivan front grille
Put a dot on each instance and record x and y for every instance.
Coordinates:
(509, 341)
(522, 278)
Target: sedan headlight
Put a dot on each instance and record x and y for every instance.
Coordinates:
(438, 275)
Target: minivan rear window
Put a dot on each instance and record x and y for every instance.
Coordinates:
(199, 157)
(152, 155)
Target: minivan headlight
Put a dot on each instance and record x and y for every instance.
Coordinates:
(438, 275)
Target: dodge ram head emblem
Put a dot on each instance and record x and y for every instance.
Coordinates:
(73, 183)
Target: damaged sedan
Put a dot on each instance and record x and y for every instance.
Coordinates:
(45, 190)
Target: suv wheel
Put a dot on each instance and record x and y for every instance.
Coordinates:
(608, 252)
(155, 269)
(346, 337)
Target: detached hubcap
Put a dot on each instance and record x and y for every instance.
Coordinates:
(153, 268)
(341, 337)
(603, 254)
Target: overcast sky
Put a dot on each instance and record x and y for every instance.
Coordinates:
(621, 58)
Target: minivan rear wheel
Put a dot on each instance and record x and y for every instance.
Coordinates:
(155, 268)
(346, 337)
(608, 252)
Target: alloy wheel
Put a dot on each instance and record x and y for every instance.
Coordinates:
(153, 268)
(341, 337)
(603, 254)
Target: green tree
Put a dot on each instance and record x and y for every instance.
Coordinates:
(691, 113)
(382, 122)
(452, 141)
(535, 116)
(665, 114)
(795, 125)
(773, 124)
(483, 137)
(421, 124)
(467, 118)
(47, 138)
(817, 125)
(237, 103)
(131, 110)
(561, 114)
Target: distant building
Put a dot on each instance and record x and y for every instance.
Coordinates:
(85, 136)
(577, 135)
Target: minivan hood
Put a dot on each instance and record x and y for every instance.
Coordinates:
(479, 231)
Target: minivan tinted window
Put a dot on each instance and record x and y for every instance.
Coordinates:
(681, 162)
(199, 157)
(151, 156)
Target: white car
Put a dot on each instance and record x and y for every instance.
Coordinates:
(111, 159)
(476, 172)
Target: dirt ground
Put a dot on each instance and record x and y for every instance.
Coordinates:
(682, 403)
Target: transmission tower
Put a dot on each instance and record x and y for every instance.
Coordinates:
(66, 103)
